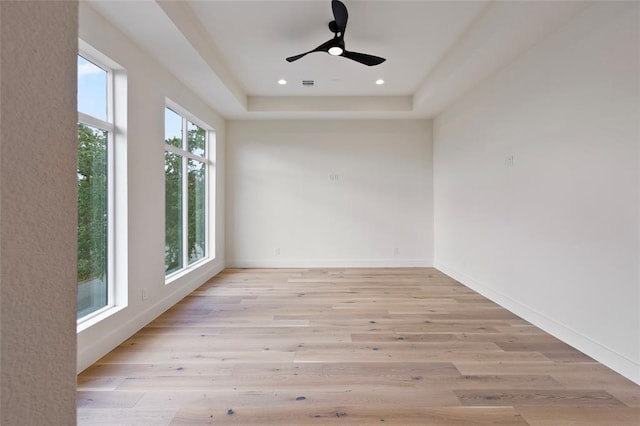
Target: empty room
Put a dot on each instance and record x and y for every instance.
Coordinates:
(319, 212)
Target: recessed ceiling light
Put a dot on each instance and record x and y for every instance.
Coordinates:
(282, 82)
(379, 81)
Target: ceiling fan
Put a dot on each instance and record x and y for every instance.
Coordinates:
(335, 46)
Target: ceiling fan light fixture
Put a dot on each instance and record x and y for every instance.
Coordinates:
(335, 46)
(336, 50)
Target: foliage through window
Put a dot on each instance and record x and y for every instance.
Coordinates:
(95, 132)
(185, 192)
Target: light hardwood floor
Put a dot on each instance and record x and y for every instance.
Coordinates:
(349, 347)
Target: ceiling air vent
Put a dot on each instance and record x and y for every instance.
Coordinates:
(308, 83)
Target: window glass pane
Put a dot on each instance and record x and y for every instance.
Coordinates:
(173, 212)
(92, 89)
(92, 219)
(172, 128)
(196, 210)
(197, 139)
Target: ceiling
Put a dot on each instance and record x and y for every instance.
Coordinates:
(233, 52)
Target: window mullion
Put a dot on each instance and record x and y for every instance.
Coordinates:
(174, 150)
(95, 122)
(195, 157)
(111, 232)
(206, 198)
(183, 153)
(185, 198)
(111, 196)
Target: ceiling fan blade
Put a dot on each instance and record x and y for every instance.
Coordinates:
(324, 47)
(296, 57)
(340, 14)
(363, 58)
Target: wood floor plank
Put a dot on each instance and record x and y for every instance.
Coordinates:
(348, 372)
(114, 399)
(379, 352)
(89, 383)
(630, 396)
(170, 369)
(300, 397)
(580, 372)
(508, 397)
(223, 359)
(348, 346)
(496, 382)
(407, 337)
(585, 416)
(131, 416)
(339, 415)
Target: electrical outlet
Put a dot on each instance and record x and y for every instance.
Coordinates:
(144, 294)
(396, 251)
(277, 251)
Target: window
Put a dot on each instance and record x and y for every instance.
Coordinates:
(186, 211)
(95, 194)
(102, 193)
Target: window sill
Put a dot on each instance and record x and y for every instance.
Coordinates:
(175, 276)
(97, 317)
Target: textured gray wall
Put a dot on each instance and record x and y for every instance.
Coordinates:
(38, 46)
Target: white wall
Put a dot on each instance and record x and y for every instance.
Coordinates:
(280, 195)
(38, 210)
(554, 237)
(148, 87)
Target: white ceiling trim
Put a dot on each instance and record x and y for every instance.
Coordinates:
(191, 28)
(501, 33)
(491, 38)
(330, 103)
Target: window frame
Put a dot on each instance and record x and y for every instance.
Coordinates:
(185, 156)
(115, 125)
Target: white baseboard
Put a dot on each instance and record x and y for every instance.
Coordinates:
(608, 357)
(109, 341)
(330, 263)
